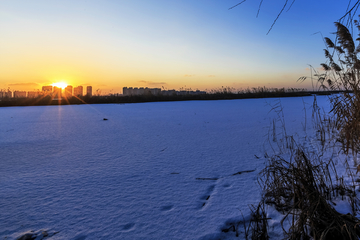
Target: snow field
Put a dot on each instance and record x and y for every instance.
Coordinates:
(163, 170)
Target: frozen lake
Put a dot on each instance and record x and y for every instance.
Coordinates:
(151, 171)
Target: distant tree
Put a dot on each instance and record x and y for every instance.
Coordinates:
(346, 19)
(98, 92)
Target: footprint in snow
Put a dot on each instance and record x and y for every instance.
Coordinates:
(127, 227)
(205, 198)
(81, 237)
(166, 208)
(226, 185)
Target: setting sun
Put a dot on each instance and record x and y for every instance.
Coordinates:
(61, 85)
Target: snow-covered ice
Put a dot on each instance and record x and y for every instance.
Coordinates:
(160, 170)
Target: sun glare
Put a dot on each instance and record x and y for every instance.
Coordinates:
(61, 85)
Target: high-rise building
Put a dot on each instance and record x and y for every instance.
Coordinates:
(47, 88)
(155, 91)
(68, 91)
(89, 91)
(125, 91)
(141, 91)
(57, 92)
(78, 91)
(7, 94)
(128, 91)
(19, 94)
(33, 94)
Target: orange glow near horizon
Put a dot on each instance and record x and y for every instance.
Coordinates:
(61, 85)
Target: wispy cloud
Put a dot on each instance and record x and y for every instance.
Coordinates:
(152, 83)
(319, 69)
(189, 75)
(23, 84)
(211, 75)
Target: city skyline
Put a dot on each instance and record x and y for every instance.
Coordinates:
(57, 90)
(61, 89)
(178, 44)
(89, 89)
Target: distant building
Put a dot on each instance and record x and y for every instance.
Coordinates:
(33, 94)
(168, 92)
(68, 91)
(6, 94)
(78, 91)
(57, 92)
(89, 91)
(198, 92)
(147, 91)
(155, 91)
(127, 91)
(135, 91)
(19, 94)
(140, 91)
(47, 88)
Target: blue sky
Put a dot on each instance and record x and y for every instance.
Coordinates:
(198, 44)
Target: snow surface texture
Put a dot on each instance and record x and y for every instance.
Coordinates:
(151, 171)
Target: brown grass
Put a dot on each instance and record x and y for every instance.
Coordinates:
(302, 189)
(342, 72)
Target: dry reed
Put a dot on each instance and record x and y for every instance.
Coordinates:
(301, 189)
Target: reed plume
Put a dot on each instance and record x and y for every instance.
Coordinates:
(343, 74)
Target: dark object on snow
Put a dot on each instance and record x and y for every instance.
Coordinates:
(247, 171)
(27, 236)
(45, 234)
(207, 178)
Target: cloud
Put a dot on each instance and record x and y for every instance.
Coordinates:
(189, 75)
(319, 69)
(23, 84)
(152, 83)
(211, 75)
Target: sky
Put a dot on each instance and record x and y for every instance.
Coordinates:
(169, 44)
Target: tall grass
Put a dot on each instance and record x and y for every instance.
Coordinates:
(342, 72)
(302, 184)
(302, 188)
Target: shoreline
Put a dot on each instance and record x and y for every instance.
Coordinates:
(111, 99)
